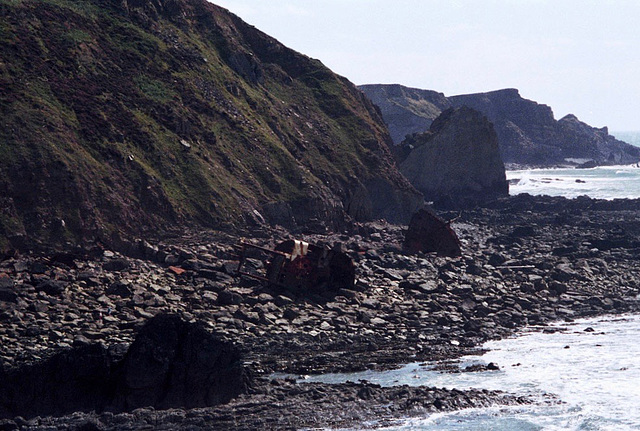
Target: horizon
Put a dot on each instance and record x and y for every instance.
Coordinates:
(576, 56)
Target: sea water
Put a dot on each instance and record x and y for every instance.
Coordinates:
(610, 182)
(585, 376)
(604, 182)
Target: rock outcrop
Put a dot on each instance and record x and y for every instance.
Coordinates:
(528, 133)
(171, 363)
(456, 163)
(144, 116)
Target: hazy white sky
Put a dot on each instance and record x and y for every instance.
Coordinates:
(577, 56)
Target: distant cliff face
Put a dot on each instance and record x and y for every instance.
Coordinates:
(406, 110)
(527, 132)
(457, 162)
(125, 117)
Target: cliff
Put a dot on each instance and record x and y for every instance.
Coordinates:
(131, 117)
(528, 133)
(457, 162)
(406, 110)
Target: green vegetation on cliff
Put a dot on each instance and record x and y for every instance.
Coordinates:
(122, 117)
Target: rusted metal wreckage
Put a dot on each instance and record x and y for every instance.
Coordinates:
(297, 264)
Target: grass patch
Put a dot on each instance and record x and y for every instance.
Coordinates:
(154, 89)
(78, 36)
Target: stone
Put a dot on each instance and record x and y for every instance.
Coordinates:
(428, 233)
(226, 297)
(6, 282)
(172, 363)
(8, 295)
(51, 287)
(120, 289)
(116, 265)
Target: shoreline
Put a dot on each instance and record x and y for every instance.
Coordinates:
(526, 260)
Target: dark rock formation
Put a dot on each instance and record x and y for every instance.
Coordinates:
(171, 363)
(594, 143)
(528, 133)
(457, 163)
(428, 233)
(73, 380)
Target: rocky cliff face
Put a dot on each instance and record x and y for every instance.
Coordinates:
(528, 133)
(127, 117)
(406, 110)
(456, 163)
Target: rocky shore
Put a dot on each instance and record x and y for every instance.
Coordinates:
(526, 261)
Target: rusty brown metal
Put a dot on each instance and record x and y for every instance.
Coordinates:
(299, 265)
(428, 233)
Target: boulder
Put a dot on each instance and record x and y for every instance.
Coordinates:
(428, 233)
(173, 363)
(170, 364)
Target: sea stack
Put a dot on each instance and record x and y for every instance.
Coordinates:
(457, 162)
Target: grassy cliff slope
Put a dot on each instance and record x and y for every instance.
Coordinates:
(127, 117)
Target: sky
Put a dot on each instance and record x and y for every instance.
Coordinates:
(577, 56)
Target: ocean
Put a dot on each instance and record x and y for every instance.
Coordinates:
(610, 182)
(606, 182)
(586, 376)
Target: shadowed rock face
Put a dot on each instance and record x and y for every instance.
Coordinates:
(171, 363)
(457, 163)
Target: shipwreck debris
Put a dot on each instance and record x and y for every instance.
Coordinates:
(428, 233)
(296, 264)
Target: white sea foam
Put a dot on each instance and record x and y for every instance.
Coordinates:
(595, 374)
(606, 182)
